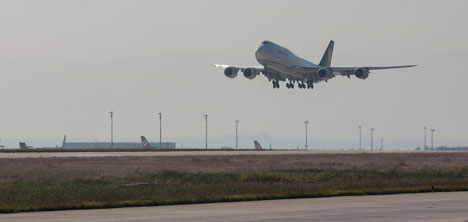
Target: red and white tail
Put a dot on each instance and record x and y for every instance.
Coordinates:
(144, 143)
(257, 145)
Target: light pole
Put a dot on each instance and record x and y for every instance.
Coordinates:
(432, 139)
(360, 137)
(425, 129)
(160, 130)
(372, 139)
(381, 144)
(237, 138)
(306, 124)
(112, 128)
(206, 131)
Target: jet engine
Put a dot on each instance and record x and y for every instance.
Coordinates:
(361, 73)
(231, 72)
(324, 73)
(250, 73)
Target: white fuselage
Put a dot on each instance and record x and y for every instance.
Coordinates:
(279, 59)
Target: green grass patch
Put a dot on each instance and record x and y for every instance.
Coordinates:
(170, 187)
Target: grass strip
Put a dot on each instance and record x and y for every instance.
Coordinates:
(171, 187)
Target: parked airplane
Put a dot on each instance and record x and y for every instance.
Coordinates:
(280, 64)
(257, 145)
(144, 143)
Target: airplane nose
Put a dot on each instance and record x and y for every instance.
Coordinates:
(260, 50)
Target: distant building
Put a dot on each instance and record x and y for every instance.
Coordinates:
(122, 145)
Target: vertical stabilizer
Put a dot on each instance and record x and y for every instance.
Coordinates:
(144, 143)
(327, 56)
(257, 145)
(64, 141)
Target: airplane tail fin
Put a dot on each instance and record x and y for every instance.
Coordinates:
(23, 145)
(64, 141)
(257, 145)
(327, 56)
(144, 143)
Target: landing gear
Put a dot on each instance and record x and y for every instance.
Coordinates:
(290, 85)
(302, 85)
(275, 84)
(310, 84)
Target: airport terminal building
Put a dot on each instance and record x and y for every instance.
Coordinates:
(119, 145)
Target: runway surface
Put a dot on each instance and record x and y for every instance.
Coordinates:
(140, 153)
(178, 153)
(452, 206)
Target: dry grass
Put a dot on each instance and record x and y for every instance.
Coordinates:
(30, 184)
(98, 167)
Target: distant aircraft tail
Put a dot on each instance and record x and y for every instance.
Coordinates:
(24, 146)
(327, 56)
(144, 143)
(257, 145)
(64, 141)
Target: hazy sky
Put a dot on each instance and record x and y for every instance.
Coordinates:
(65, 64)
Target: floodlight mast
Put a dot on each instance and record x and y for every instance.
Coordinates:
(432, 139)
(360, 137)
(160, 130)
(372, 139)
(381, 144)
(306, 126)
(425, 130)
(237, 135)
(112, 128)
(206, 131)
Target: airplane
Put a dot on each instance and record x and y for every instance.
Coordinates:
(144, 143)
(257, 145)
(280, 64)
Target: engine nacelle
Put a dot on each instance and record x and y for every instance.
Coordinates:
(231, 72)
(324, 73)
(250, 73)
(361, 73)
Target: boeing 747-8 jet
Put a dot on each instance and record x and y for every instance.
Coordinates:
(280, 64)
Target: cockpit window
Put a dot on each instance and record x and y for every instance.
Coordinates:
(266, 42)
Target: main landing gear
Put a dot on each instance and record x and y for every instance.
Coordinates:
(275, 84)
(308, 84)
(290, 85)
(302, 85)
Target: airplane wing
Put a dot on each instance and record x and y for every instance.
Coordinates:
(326, 73)
(345, 71)
(249, 72)
(257, 68)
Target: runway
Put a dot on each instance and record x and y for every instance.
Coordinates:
(184, 153)
(452, 206)
(146, 153)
